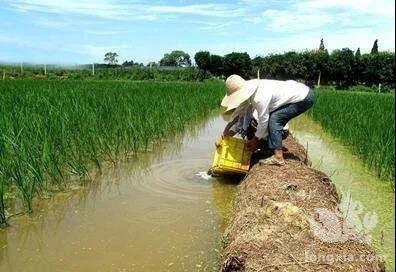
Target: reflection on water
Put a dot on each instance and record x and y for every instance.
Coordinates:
(352, 178)
(154, 212)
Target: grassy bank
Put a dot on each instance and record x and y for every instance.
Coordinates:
(52, 130)
(365, 121)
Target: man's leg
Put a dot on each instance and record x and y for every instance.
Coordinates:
(280, 117)
(262, 153)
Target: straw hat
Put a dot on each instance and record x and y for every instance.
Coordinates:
(238, 91)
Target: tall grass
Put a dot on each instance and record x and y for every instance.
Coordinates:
(365, 121)
(52, 130)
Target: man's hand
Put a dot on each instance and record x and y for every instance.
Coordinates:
(218, 142)
(228, 133)
(252, 145)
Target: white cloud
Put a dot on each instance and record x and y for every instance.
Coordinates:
(239, 25)
(320, 14)
(217, 27)
(132, 10)
(377, 7)
(295, 20)
(210, 10)
(254, 20)
(101, 8)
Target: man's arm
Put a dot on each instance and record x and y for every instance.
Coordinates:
(230, 130)
(261, 105)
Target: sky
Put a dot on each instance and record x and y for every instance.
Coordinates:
(76, 32)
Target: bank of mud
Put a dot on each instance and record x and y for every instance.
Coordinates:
(272, 226)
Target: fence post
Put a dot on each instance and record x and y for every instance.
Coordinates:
(320, 75)
(21, 68)
(379, 87)
(258, 73)
(93, 69)
(3, 74)
(45, 69)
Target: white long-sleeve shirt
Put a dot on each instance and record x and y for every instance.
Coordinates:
(272, 94)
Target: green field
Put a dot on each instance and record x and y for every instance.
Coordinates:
(365, 121)
(51, 130)
(54, 130)
(85, 72)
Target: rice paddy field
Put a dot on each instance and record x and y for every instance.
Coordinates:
(365, 122)
(52, 132)
(55, 135)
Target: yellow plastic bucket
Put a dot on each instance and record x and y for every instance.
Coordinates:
(231, 157)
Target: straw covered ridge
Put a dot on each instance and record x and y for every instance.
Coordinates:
(270, 230)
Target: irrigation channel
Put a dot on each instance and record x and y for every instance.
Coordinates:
(370, 195)
(159, 212)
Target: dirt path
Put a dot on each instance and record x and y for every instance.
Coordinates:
(276, 225)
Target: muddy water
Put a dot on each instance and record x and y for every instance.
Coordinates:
(157, 212)
(353, 181)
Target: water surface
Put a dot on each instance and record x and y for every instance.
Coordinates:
(155, 212)
(353, 180)
(159, 212)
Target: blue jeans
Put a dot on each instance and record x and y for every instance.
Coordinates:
(282, 115)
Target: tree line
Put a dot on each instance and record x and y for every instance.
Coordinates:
(341, 67)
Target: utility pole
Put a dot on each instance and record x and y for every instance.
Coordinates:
(93, 69)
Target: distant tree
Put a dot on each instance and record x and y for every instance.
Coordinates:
(256, 64)
(202, 59)
(176, 58)
(216, 65)
(342, 67)
(111, 58)
(358, 54)
(128, 63)
(257, 61)
(374, 50)
(322, 46)
(342, 63)
(358, 69)
(293, 66)
(321, 65)
(238, 63)
(379, 68)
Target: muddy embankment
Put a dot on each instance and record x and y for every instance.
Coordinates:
(277, 226)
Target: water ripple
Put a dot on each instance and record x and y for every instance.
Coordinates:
(177, 179)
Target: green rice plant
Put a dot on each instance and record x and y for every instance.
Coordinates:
(53, 130)
(365, 121)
